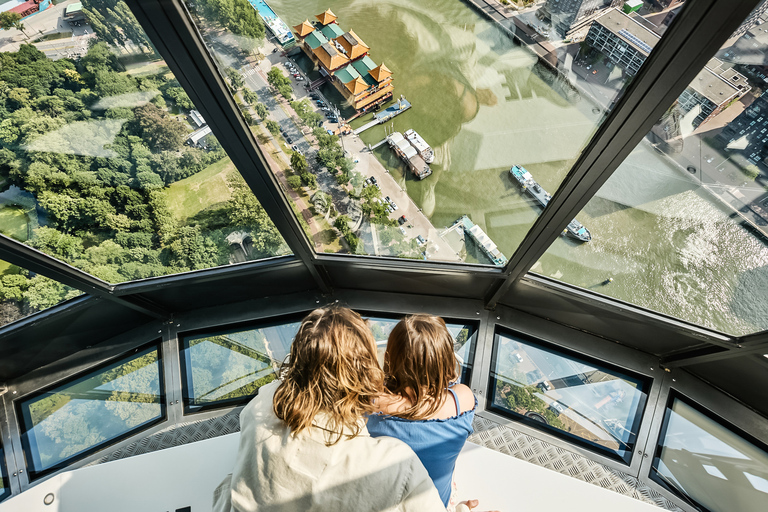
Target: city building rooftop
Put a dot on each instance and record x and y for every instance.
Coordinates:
(629, 30)
(719, 83)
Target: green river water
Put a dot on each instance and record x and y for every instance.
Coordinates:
(484, 104)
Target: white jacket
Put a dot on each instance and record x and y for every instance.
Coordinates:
(278, 472)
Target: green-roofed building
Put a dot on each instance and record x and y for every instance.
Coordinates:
(332, 31)
(74, 12)
(315, 39)
(347, 74)
(363, 66)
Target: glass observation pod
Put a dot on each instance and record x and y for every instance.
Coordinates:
(578, 187)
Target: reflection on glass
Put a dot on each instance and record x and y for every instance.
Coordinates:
(710, 464)
(225, 367)
(23, 292)
(104, 161)
(592, 404)
(78, 417)
(681, 227)
(460, 100)
(5, 488)
(464, 336)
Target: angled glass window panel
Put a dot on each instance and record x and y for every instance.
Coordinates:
(567, 394)
(435, 103)
(76, 418)
(227, 366)
(709, 463)
(464, 336)
(104, 161)
(23, 293)
(681, 227)
(5, 487)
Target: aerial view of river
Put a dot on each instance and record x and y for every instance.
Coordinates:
(484, 104)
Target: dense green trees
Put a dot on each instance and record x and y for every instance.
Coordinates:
(114, 23)
(279, 81)
(96, 149)
(304, 111)
(238, 16)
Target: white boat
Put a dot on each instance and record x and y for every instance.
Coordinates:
(421, 146)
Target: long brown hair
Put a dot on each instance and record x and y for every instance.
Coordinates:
(332, 369)
(420, 363)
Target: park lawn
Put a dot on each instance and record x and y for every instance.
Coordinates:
(13, 223)
(188, 197)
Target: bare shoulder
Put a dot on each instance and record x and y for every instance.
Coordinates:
(466, 397)
(390, 404)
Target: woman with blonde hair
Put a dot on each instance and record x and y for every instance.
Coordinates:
(303, 440)
(425, 407)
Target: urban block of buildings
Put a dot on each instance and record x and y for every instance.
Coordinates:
(627, 44)
(570, 17)
(342, 58)
(748, 133)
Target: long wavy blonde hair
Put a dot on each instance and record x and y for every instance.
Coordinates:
(420, 363)
(332, 369)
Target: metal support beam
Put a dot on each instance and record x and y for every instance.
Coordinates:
(695, 36)
(749, 345)
(40, 263)
(175, 36)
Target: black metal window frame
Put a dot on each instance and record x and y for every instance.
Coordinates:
(643, 383)
(185, 364)
(692, 39)
(22, 414)
(653, 474)
(6, 489)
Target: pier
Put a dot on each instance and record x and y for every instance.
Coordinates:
(382, 117)
(483, 241)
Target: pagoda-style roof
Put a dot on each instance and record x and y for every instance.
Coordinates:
(346, 74)
(326, 17)
(381, 73)
(304, 28)
(364, 67)
(332, 31)
(330, 57)
(315, 39)
(353, 45)
(357, 86)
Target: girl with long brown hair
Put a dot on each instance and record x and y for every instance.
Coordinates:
(303, 442)
(424, 406)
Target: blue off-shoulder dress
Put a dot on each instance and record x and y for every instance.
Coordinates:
(437, 442)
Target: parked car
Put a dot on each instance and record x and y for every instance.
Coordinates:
(519, 358)
(387, 199)
(421, 240)
(296, 149)
(544, 386)
(288, 140)
(557, 408)
(402, 220)
(402, 230)
(394, 206)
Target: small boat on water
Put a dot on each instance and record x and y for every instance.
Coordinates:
(575, 229)
(421, 145)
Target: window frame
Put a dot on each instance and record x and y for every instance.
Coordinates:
(645, 385)
(185, 364)
(22, 415)
(4, 479)
(653, 474)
